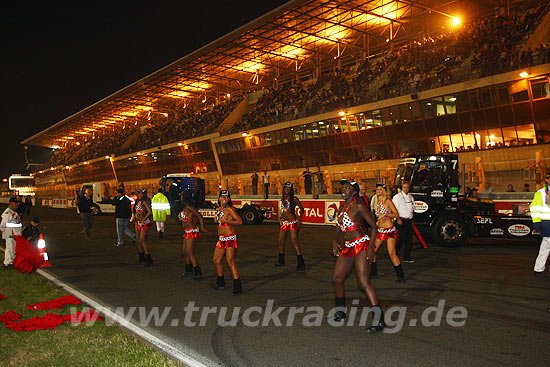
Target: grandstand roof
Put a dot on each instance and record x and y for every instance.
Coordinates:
(292, 39)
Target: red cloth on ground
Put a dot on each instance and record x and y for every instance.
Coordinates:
(27, 258)
(55, 303)
(51, 321)
(2, 297)
(9, 316)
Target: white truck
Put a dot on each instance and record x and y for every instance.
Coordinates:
(100, 197)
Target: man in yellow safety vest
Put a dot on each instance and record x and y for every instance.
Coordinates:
(161, 208)
(540, 213)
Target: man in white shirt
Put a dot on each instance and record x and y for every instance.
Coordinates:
(266, 185)
(404, 202)
(11, 226)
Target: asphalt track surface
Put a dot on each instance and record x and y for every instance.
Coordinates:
(507, 323)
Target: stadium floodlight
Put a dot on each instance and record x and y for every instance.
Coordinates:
(341, 113)
(456, 21)
(244, 134)
(180, 144)
(524, 74)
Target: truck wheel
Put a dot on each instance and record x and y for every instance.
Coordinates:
(250, 215)
(95, 210)
(450, 231)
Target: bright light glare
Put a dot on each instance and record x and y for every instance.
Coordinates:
(456, 20)
(524, 74)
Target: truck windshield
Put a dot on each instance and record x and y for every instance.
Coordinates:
(428, 174)
(404, 173)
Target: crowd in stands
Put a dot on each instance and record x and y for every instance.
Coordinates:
(483, 47)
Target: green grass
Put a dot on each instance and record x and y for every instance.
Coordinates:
(97, 345)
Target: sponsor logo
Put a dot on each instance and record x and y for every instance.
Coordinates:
(313, 212)
(208, 213)
(519, 230)
(420, 207)
(484, 221)
(437, 194)
(496, 232)
(332, 211)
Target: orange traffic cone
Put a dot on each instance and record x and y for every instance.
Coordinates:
(42, 251)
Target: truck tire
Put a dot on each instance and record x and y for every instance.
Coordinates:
(450, 231)
(250, 215)
(95, 210)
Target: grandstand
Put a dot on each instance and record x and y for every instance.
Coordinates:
(347, 85)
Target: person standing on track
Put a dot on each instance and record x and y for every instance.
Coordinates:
(189, 217)
(226, 218)
(161, 208)
(290, 223)
(540, 214)
(358, 250)
(85, 204)
(123, 212)
(143, 217)
(386, 213)
(11, 226)
(404, 203)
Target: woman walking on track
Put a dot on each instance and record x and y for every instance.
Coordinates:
(290, 223)
(189, 217)
(143, 215)
(386, 213)
(226, 218)
(358, 250)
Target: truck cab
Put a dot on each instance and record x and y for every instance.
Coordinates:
(452, 218)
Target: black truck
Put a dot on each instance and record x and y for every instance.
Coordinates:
(452, 218)
(174, 185)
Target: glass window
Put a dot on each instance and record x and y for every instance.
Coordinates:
(343, 125)
(481, 139)
(308, 131)
(438, 105)
(376, 118)
(495, 138)
(405, 112)
(268, 139)
(361, 121)
(486, 97)
(502, 95)
(395, 114)
(520, 96)
(322, 128)
(510, 136)
(386, 116)
(427, 108)
(457, 142)
(469, 141)
(416, 112)
(445, 143)
(252, 140)
(462, 102)
(526, 134)
(352, 123)
(450, 104)
(474, 101)
(540, 89)
(314, 129)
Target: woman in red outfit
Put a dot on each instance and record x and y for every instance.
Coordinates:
(143, 216)
(189, 217)
(290, 223)
(226, 218)
(386, 214)
(358, 250)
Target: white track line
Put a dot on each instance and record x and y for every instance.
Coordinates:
(190, 359)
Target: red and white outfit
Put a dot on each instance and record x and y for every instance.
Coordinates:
(11, 226)
(354, 247)
(192, 233)
(142, 224)
(384, 233)
(227, 240)
(288, 225)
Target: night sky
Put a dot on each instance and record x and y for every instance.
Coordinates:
(60, 57)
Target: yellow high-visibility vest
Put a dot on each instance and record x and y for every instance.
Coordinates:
(160, 207)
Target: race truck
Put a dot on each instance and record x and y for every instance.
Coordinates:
(175, 184)
(452, 218)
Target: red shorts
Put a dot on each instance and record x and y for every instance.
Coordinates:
(227, 241)
(192, 233)
(141, 225)
(387, 233)
(353, 248)
(289, 225)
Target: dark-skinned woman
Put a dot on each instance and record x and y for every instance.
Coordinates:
(290, 222)
(143, 216)
(358, 250)
(226, 218)
(189, 217)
